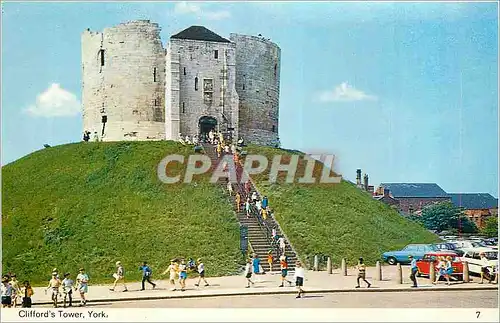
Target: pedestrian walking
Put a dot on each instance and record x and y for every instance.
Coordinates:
(440, 269)
(281, 243)
(229, 188)
(172, 270)
(270, 260)
(362, 273)
(248, 273)
(182, 275)
(237, 200)
(201, 272)
(264, 213)
(83, 285)
(56, 272)
(119, 277)
(265, 202)
(67, 287)
(147, 272)
(6, 292)
(284, 271)
(254, 197)
(248, 187)
(299, 278)
(54, 285)
(247, 207)
(218, 149)
(28, 292)
(414, 270)
(449, 269)
(16, 290)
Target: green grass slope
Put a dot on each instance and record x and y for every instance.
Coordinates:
(338, 220)
(91, 204)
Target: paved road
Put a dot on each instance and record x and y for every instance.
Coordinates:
(459, 299)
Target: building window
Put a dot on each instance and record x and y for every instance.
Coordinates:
(208, 91)
(156, 103)
(216, 54)
(154, 74)
(184, 70)
(196, 83)
(275, 70)
(158, 114)
(274, 128)
(243, 86)
(101, 56)
(183, 107)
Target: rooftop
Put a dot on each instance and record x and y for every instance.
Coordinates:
(200, 33)
(474, 201)
(423, 190)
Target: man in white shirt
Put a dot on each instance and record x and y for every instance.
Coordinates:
(119, 277)
(248, 273)
(299, 278)
(281, 242)
(201, 272)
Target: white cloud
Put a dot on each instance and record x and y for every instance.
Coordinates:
(55, 102)
(344, 93)
(190, 8)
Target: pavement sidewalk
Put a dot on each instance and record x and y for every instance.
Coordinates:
(317, 282)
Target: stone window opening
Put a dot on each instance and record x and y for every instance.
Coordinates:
(184, 71)
(183, 107)
(243, 86)
(101, 56)
(154, 75)
(275, 70)
(274, 128)
(196, 83)
(208, 91)
(216, 54)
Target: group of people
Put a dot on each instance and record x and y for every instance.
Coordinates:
(13, 293)
(86, 136)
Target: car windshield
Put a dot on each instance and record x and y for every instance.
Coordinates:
(491, 255)
(476, 244)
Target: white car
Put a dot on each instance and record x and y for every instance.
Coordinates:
(474, 260)
(466, 244)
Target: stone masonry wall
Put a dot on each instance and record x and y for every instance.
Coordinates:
(215, 92)
(124, 78)
(257, 84)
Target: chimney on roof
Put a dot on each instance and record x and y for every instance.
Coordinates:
(365, 181)
(358, 177)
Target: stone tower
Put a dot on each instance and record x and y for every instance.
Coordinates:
(123, 82)
(200, 86)
(258, 84)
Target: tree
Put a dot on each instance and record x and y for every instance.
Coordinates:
(490, 227)
(442, 216)
(465, 225)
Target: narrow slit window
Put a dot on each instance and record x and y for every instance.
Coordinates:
(275, 70)
(216, 54)
(156, 102)
(184, 71)
(154, 74)
(183, 107)
(274, 128)
(196, 84)
(101, 56)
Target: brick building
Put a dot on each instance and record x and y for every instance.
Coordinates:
(413, 197)
(477, 206)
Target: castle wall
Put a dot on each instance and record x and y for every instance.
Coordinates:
(124, 79)
(257, 84)
(214, 94)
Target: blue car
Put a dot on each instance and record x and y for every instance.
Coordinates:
(416, 250)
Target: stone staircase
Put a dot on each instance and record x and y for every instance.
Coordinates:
(259, 230)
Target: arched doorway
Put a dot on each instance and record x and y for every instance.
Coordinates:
(205, 125)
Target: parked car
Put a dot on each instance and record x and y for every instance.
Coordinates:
(432, 258)
(461, 244)
(474, 260)
(459, 252)
(416, 250)
(445, 246)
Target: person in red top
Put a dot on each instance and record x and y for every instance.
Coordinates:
(284, 271)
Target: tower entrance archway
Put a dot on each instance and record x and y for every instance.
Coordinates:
(206, 124)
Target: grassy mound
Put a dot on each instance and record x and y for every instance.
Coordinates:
(338, 220)
(91, 204)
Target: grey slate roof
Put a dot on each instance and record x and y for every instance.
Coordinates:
(200, 33)
(474, 201)
(423, 190)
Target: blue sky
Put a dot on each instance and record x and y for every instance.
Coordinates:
(406, 91)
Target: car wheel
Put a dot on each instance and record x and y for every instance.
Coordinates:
(392, 261)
